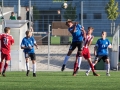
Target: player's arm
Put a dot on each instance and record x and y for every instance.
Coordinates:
(23, 45)
(83, 32)
(35, 43)
(96, 47)
(109, 44)
(12, 41)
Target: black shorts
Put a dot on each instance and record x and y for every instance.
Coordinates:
(32, 56)
(101, 57)
(78, 44)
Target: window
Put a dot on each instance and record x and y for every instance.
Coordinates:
(97, 16)
(84, 16)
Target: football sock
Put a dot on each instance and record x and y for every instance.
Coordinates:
(1, 67)
(34, 68)
(75, 66)
(108, 67)
(5, 67)
(79, 61)
(66, 59)
(27, 65)
(90, 68)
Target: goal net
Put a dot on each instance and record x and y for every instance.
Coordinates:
(114, 56)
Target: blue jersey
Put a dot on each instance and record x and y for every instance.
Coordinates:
(102, 45)
(28, 42)
(77, 35)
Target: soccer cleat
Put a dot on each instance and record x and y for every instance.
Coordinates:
(27, 72)
(63, 67)
(77, 70)
(95, 74)
(87, 73)
(34, 74)
(107, 74)
(3, 74)
(74, 73)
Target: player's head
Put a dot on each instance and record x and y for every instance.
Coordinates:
(28, 33)
(27, 8)
(12, 13)
(7, 30)
(104, 34)
(69, 22)
(90, 30)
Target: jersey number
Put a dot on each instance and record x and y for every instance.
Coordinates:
(103, 45)
(5, 40)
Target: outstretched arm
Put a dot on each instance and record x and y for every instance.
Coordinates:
(95, 50)
(84, 32)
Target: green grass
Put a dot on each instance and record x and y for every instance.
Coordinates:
(56, 40)
(59, 81)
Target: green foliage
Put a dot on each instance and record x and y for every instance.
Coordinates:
(36, 13)
(70, 12)
(112, 10)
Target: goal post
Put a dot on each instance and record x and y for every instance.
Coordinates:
(114, 55)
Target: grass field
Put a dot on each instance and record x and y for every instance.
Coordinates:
(60, 81)
(56, 40)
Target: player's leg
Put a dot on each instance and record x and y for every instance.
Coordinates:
(27, 63)
(94, 63)
(7, 59)
(5, 67)
(1, 63)
(33, 58)
(79, 54)
(72, 47)
(92, 67)
(107, 65)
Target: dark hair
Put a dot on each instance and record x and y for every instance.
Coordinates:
(6, 29)
(27, 32)
(104, 32)
(91, 28)
(12, 12)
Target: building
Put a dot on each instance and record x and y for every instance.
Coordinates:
(93, 13)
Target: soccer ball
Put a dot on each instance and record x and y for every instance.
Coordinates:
(64, 5)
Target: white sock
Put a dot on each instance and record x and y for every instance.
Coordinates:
(108, 68)
(27, 65)
(34, 68)
(66, 59)
(90, 68)
(79, 61)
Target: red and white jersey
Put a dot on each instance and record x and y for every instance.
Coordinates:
(87, 39)
(6, 42)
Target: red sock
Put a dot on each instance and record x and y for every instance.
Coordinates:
(5, 67)
(75, 66)
(0, 67)
(92, 67)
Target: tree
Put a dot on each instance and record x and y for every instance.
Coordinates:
(70, 12)
(111, 10)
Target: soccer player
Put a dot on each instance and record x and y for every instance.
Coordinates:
(85, 52)
(6, 42)
(101, 52)
(28, 44)
(78, 33)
